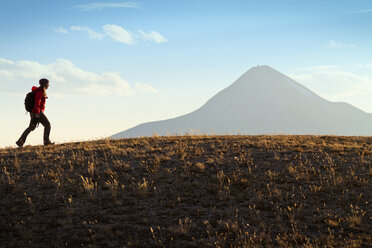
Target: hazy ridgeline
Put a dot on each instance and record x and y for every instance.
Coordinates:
(201, 191)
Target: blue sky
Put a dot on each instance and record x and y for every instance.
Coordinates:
(115, 64)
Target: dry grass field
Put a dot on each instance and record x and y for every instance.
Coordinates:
(189, 191)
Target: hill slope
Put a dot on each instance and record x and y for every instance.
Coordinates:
(263, 101)
(212, 191)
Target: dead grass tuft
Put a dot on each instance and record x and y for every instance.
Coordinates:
(189, 191)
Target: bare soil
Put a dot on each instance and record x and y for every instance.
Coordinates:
(189, 191)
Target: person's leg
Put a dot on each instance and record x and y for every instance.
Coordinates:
(31, 127)
(45, 122)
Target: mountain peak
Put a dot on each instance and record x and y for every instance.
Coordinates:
(260, 74)
(263, 101)
(271, 80)
(263, 69)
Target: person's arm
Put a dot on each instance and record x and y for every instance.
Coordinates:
(37, 106)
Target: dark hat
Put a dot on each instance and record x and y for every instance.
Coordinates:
(43, 81)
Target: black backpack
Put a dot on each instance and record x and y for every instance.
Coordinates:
(30, 101)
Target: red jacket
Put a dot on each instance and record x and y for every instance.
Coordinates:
(40, 99)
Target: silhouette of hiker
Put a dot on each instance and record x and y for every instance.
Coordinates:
(37, 114)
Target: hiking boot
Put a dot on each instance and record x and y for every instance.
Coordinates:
(20, 142)
(48, 142)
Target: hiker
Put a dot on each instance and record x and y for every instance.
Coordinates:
(37, 113)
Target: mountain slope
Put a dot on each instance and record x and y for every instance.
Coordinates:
(263, 101)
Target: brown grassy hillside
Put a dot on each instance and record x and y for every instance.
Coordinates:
(190, 191)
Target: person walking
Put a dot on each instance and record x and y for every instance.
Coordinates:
(37, 114)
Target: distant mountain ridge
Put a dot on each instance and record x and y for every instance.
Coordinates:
(263, 101)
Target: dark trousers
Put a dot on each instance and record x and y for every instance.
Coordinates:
(33, 123)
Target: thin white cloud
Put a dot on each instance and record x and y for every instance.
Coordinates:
(145, 88)
(315, 68)
(92, 34)
(335, 44)
(118, 34)
(5, 73)
(59, 30)
(363, 11)
(104, 5)
(336, 84)
(369, 65)
(152, 36)
(6, 62)
(65, 79)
